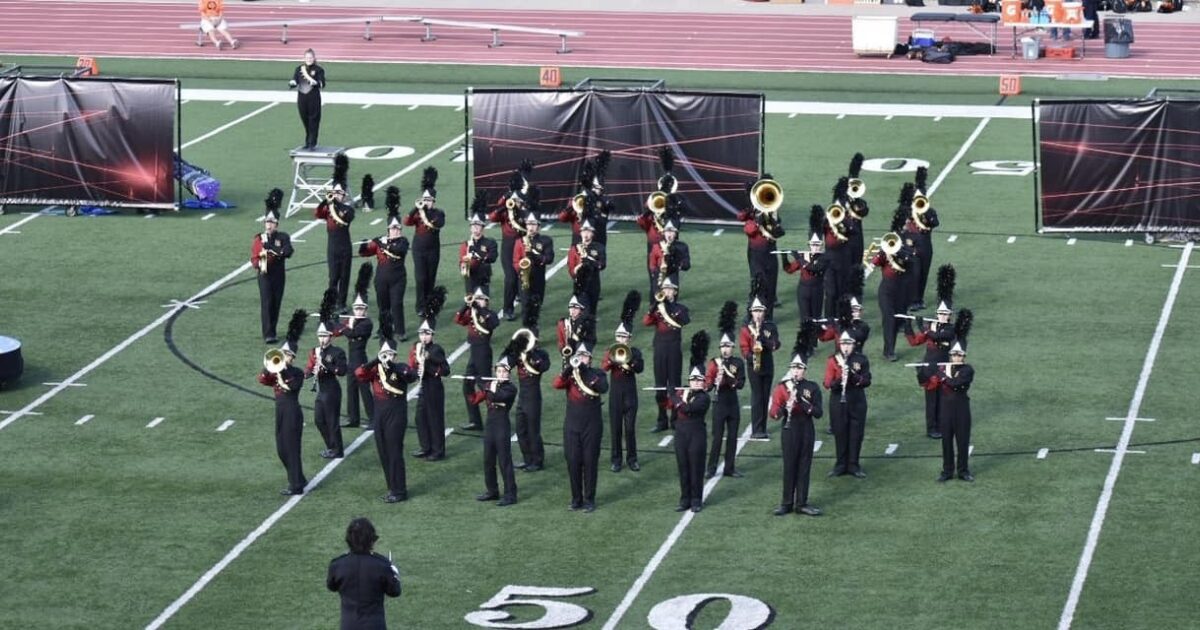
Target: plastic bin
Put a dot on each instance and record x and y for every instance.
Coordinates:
(1116, 51)
(1029, 48)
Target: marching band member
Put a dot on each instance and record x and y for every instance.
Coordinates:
(810, 292)
(480, 323)
(938, 336)
(763, 229)
(669, 257)
(356, 328)
(286, 379)
(338, 215)
(577, 327)
(847, 375)
(326, 362)
(849, 320)
(531, 363)
(896, 260)
(590, 205)
(583, 427)
(838, 235)
(758, 340)
(428, 360)
(389, 251)
(856, 210)
(796, 402)
(955, 413)
(532, 255)
(477, 253)
(268, 252)
(509, 215)
(689, 407)
(922, 221)
(668, 317)
(725, 375)
(389, 381)
(585, 260)
(428, 221)
(499, 394)
(663, 206)
(309, 80)
(624, 362)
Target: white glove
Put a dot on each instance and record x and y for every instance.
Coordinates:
(291, 84)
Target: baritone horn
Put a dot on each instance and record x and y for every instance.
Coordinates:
(920, 204)
(766, 195)
(579, 203)
(657, 202)
(620, 353)
(274, 361)
(530, 338)
(857, 188)
(835, 214)
(890, 243)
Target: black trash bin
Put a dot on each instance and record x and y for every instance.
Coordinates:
(1118, 35)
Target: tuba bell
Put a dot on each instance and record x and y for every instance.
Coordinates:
(890, 243)
(835, 214)
(657, 202)
(274, 361)
(766, 195)
(857, 188)
(579, 203)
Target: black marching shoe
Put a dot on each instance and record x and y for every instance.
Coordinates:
(471, 427)
(506, 501)
(487, 496)
(934, 435)
(633, 465)
(368, 427)
(733, 473)
(421, 453)
(326, 454)
(287, 492)
(658, 429)
(829, 431)
(271, 340)
(836, 472)
(533, 467)
(682, 507)
(782, 510)
(395, 498)
(809, 510)
(760, 437)
(589, 507)
(434, 458)
(520, 466)
(350, 425)
(944, 477)
(966, 476)
(858, 474)
(616, 467)
(697, 506)
(575, 506)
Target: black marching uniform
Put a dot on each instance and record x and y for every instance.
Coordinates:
(497, 440)
(583, 429)
(623, 404)
(391, 277)
(482, 253)
(357, 332)
(690, 406)
(810, 290)
(426, 249)
(289, 423)
(309, 81)
(762, 233)
(797, 404)
(389, 383)
(839, 250)
(726, 376)
(431, 400)
(530, 367)
(762, 378)
(338, 217)
(668, 320)
(954, 413)
(849, 416)
(328, 405)
(676, 259)
(585, 271)
(541, 253)
(893, 294)
(937, 338)
(512, 230)
(268, 255)
(922, 243)
(362, 579)
(480, 322)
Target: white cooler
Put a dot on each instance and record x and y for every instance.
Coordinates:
(874, 35)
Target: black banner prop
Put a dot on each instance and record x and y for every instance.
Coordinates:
(1120, 166)
(716, 138)
(92, 141)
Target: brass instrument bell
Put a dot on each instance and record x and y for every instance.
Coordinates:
(835, 214)
(890, 244)
(567, 351)
(525, 264)
(620, 353)
(657, 202)
(920, 204)
(274, 361)
(857, 188)
(579, 203)
(510, 202)
(766, 195)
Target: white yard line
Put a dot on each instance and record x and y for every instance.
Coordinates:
(1071, 241)
(891, 448)
(1042, 453)
(1011, 240)
(1139, 392)
(817, 445)
(208, 216)
(665, 441)
(1196, 458)
(58, 388)
(953, 237)
(155, 422)
(84, 419)
(225, 426)
(12, 229)
(228, 125)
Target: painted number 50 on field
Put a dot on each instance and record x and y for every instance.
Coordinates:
(745, 613)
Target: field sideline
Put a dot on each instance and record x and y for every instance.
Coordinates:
(130, 507)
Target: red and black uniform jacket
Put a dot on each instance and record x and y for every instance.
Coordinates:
(582, 406)
(807, 402)
(333, 365)
(768, 337)
(812, 269)
(664, 330)
(389, 253)
(426, 237)
(730, 378)
(573, 340)
(504, 217)
(937, 338)
(624, 378)
(396, 375)
(338, 217)
(278, 247)
(761, 233)
(690, 411)
(596, 252)
(498, 402)
(677, 255)
(541, 256)
(287, 384)
(858, 379)
(488, 322)
(482, 252)
(357, 335)
(436, 365)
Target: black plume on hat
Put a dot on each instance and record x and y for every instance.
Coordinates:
(328, 305)
(274, 200)
(367, 192)
(526, 169)
(341, 168)
(429, 180)
(816, 220)
(856, 163)
(533, 200)
(922, 176)
(386, 330)
(362, 284)
(633, 302)
(602, 162)
(586, 174)
(479, 203)
(513, 350)
(757, 286)
(946, 277)
(515, 182)
(699, 349)
(434, 303)
(392, 201)
(903, 208)
(962, 325)
(840, 189)
(296, 326)
(843, 310)
(666, 159)
(806, 339)
(532, 312)
(727, 319)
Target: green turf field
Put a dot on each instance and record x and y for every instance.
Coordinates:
(105, 524)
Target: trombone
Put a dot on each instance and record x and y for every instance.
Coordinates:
(766, 195)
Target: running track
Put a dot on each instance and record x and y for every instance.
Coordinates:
(613, 39)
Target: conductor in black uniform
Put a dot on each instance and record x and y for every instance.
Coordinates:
(309, 80)
(362, 578)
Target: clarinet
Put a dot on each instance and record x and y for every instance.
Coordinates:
(845, 364)
(316, 368)
(791, 402)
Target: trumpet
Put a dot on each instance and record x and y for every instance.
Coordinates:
(766, 195)
(869, 253)
(620, 353)
(661, 296)
(274, 361)
(657, 202)
(579, 203)
(857, 188)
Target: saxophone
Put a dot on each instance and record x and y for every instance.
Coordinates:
(262, 254)
(758, 348)
(464, 266)
(526, 265)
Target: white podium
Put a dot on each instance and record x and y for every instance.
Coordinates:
(314, 176)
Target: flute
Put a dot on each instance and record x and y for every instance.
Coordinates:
(927, 364)
(903, 316)
(474, 378)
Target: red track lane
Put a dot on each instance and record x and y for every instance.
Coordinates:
(612, 40)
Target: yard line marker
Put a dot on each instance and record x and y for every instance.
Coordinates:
(792, 115)
(665, 441)
(937, 119)
(1012, 239)
(1042, 452)
(59, 387)
(817, 445)
(1113, 450)
(225, 425)
(611, 225)
(1188, 267)
(459, 108)
(62, 384)
(377, 221)
(663, 550)
(368, 106)
(155, 422)
(31, 413)
(12, 229)
(1071, 241)
(228, 103)
(228, 125)
(1093, 537)
(1128, 242)
(953, 237)
(184, 102)
(413, 107)
(208, 216)
(888, 117)
(1196, 458)
(84, 419)
(891, 448)
(149, 216)
(841, 116)
(449, 431)
(719, 232)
